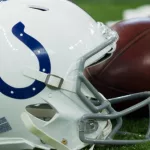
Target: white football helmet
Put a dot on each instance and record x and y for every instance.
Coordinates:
(45, 99)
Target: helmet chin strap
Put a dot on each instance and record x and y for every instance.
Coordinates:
(54, 81)
(50, 80)
(41, 134)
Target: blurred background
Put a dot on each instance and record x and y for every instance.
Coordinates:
(113, 10)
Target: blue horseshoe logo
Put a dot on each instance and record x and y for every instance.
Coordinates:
(44, 66)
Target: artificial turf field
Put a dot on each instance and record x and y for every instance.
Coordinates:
(106, 10)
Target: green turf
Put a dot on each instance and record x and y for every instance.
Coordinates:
(106, 10)
(134, 125)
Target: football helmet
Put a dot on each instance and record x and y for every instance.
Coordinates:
(46, 102)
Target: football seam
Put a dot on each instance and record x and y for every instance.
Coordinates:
(112, 88)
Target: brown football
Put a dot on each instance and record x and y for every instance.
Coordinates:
(128, 70)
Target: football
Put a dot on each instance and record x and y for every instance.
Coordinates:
(127, 71)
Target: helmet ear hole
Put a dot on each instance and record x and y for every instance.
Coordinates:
(41, 111)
